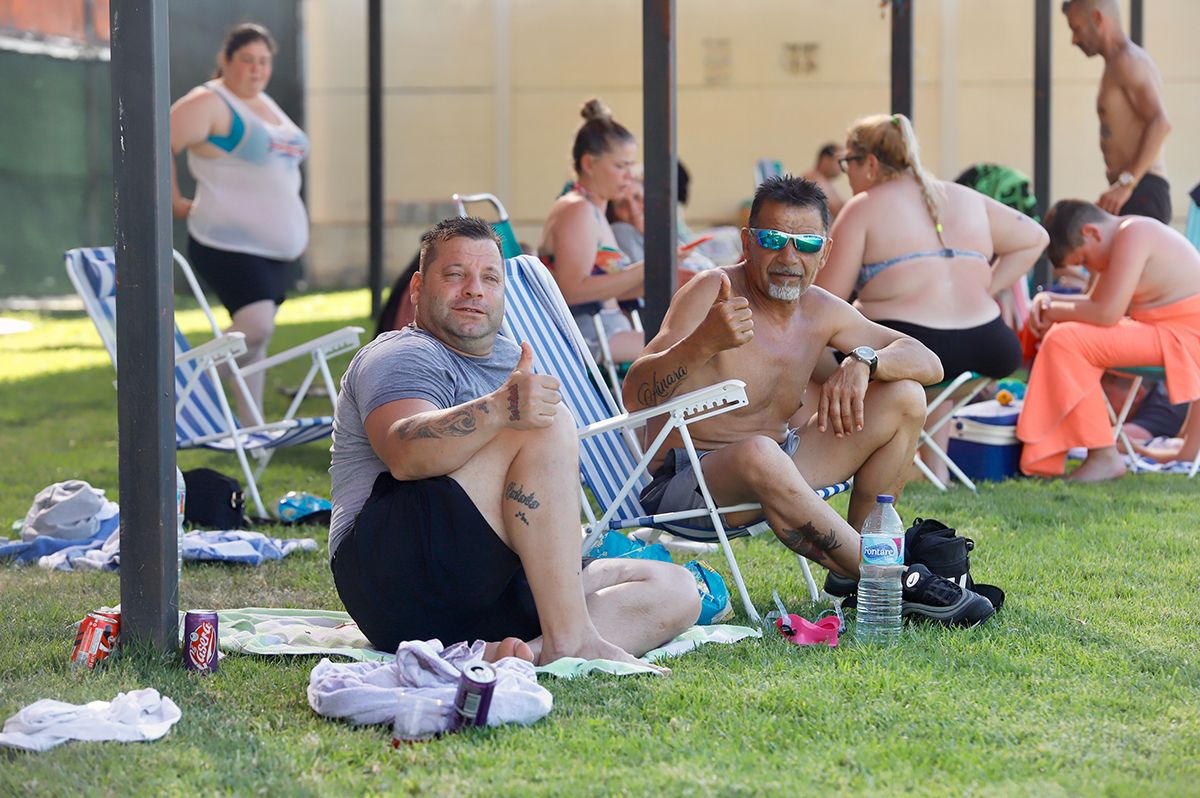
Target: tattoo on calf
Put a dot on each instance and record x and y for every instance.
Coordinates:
(651, 393)
(517, 493)
(808, 541)
(458, 424)
(521, 515)
(514, 404)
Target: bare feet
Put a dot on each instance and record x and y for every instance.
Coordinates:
(508, 647)
(596, 649)
(1100, 465)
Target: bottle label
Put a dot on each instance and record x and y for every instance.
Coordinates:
(883, 549)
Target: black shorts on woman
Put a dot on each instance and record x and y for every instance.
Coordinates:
(239, 278)
(991, 349)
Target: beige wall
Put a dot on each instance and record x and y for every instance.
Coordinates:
(483, 95)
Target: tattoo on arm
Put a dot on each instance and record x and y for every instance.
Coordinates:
(809, 542)
(458, 424)
(658, 390)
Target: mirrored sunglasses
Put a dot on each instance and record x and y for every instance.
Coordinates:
(777, 239)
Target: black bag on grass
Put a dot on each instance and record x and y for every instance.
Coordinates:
(213, 500)
(940, 549)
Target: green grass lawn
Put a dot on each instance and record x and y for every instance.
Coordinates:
(1086, 683)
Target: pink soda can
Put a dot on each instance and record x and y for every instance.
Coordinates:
(200, 641)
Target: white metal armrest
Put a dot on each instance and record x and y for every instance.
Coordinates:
(695, 406)
(330, 345)
(223, 347)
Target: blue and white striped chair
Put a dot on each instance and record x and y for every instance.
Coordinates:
(612, 464)
(202, 412)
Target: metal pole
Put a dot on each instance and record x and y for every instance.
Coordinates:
(1041, 120)
(145, 321)
(1136, 31)
(375, 149)
(658, 113)
(902, 57)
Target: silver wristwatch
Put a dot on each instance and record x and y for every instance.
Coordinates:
(865, 354)
(1126, 179)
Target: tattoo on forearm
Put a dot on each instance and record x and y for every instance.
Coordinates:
(651, 393)
(809, 542)
(521, 516)
(458, 424)
(514, 404)
(517, 493)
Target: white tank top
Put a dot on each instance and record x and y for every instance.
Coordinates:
(248, 198)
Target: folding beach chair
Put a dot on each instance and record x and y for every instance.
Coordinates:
(1137, 374)
(971, 383)
(612, 464)
(765, 168)
(202, 412)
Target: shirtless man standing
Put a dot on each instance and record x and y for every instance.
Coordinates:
(762, 321)
(1133, 120)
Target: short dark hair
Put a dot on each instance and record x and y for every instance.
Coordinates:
(788, 190)
(1064, 222)
(471, 227)
(683, 183)
(828, 151)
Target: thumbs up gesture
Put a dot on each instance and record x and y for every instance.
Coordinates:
(528, 400)
(729, 322)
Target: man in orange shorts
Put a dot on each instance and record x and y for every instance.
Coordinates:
(1143, 309)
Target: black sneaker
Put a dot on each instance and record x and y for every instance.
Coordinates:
(841, 589)
(935, 598)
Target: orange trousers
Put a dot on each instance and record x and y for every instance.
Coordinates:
(1064, 404)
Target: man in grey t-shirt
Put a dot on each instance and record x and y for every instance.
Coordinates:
(455, 480)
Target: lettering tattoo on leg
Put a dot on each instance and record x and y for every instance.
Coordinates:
(656, 390)
(514, 403)
(458, 424)
(517, 493)
(524, 519)
(810, 542)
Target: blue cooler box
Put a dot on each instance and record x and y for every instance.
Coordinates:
(983, 440)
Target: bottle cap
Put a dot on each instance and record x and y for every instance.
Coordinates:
(884, 498)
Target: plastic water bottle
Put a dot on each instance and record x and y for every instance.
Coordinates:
(180, 501)
(880, 570)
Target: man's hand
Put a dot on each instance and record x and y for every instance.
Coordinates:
(1115, 198)
(1038, 323)
(729, 323)
(842, 398)
(528, 400)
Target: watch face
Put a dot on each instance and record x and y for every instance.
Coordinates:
(864, 353)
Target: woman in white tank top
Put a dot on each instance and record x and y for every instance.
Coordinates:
(247, 223)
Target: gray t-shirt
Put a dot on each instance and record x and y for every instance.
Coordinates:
(402, 364)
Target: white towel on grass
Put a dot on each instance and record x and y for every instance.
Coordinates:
(130, 717)
(373, 692)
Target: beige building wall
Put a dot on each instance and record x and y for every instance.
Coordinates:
(483, 95)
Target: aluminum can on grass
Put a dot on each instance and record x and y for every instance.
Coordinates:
(474, 697)
(97, 638)
(200, 641)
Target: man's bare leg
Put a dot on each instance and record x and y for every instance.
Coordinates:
(525, 483)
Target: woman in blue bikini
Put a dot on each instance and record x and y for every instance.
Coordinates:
(925, 256)
(247, 223)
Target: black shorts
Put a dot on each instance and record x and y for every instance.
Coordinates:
(991, 349)
(1151, 197)
(421, 563)
(239, 279)
(1157, 415)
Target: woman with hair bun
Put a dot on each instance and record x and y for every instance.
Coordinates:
(578, 244)
(247, 223)
(927, 257)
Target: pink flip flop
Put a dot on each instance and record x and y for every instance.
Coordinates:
(804, 632)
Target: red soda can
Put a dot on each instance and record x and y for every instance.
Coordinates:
(474, 697)
(98, 635)
(200, 641)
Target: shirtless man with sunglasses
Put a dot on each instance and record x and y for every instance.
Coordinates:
(762, 321)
